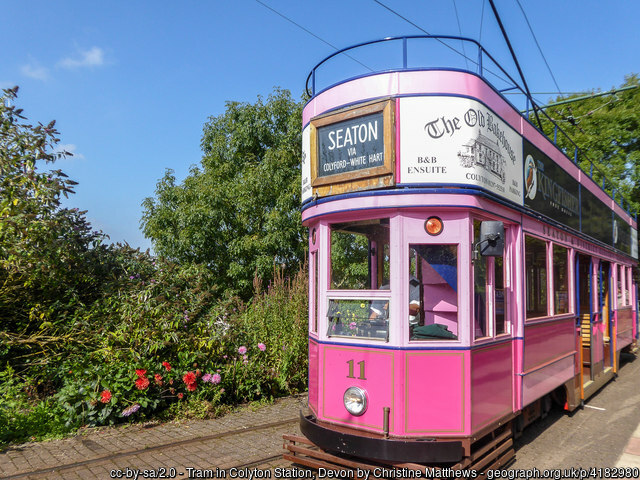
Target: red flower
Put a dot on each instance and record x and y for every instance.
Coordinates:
(167, 366)
(140, 372)
(191, 387)
(158, 378)
(142, 383)
(189, 378)
(180, 395)
(105, 397)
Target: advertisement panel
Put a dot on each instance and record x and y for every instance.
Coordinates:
(621, 234)
(307, 193)
(597, 218)
(550, 190)
(459, 141)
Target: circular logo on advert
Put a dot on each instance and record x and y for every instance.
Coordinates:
(531, 177)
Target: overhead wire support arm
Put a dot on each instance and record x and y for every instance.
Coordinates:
(515, 60)
(586, 97)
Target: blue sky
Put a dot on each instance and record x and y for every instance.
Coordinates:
(131, 83)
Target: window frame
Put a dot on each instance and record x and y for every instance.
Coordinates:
(457, 249)
(490, 290)
(371, 267)
(569, 277)
(549, 281)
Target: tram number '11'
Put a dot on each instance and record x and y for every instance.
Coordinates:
(351, 365)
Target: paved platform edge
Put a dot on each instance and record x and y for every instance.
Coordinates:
(631, 455)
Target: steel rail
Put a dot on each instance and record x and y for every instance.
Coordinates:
(129, 453)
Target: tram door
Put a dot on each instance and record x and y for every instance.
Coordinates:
(584, 268)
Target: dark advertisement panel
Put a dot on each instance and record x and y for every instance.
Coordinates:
(621, 235)
(351, 145)
(597, 218)
(549, 189)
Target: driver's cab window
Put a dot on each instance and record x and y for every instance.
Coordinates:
(359, 279)
(433, 292)
(360, 255)
(489, 299)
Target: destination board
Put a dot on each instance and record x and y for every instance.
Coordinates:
(351, 145)
(350, 150)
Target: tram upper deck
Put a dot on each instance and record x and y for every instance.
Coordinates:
(445, 131)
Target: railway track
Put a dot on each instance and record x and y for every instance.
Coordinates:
(121, 458)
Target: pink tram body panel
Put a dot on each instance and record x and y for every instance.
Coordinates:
(413, 335)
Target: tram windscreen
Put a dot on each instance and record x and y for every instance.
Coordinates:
(360, 255)
(359, 318)
(433, 292)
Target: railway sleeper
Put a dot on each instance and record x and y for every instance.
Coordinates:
(494, 450)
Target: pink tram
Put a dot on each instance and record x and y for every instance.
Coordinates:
(464, 270)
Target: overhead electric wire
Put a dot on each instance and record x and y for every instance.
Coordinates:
(312, 34)
(441, 41)
(538, 45)
(455, 8)
(484, 2)
(404, 18)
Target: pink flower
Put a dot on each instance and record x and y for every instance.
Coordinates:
(352, 325)
(131, 410)
(242, 350)
(216, 378)
(206, 377)
(262, 347)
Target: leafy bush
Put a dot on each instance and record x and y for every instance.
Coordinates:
(95, 334)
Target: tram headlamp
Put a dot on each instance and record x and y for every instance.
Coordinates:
(355, 401)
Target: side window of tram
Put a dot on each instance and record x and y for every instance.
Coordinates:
(360, 255)
(621, 286)
(433, 292)
(560, 279)
(536, 271)
(489, 304)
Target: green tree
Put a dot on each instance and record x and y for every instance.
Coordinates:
(238, 212)
(51, 261)
(607, 130)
